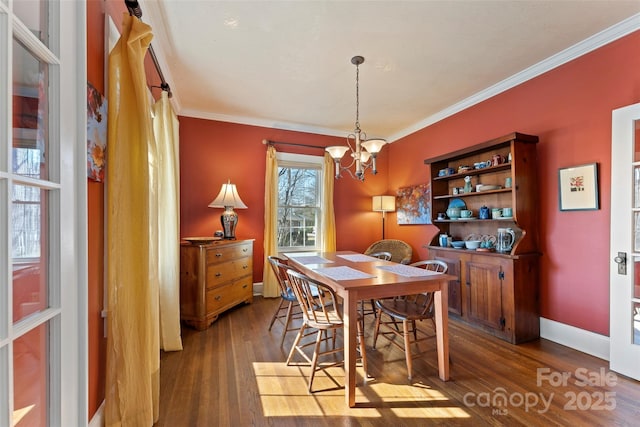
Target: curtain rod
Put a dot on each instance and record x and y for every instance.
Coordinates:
(267, 142)
(134, 9)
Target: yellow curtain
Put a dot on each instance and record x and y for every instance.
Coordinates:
(328, 215)
(269, 281)
(133, 353)
(165, 126)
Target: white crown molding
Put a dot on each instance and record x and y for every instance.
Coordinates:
(252, 121)
(590, 44)
(153, 16)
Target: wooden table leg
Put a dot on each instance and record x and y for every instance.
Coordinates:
(350, 356)
(442, 330)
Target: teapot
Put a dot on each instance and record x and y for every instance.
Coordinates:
(483, 212)
(505, 239)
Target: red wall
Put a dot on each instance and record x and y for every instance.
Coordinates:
(212, 152)
(569, 108)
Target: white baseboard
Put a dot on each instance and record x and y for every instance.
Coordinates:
(579, 339)
(258, 289)
(98, 418)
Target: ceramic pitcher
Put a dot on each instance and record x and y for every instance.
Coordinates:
(505, 239)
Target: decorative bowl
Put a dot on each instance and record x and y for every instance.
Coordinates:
(472, 244)
(453, 213)
(458, 244)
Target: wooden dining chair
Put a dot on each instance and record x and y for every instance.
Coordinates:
(288, 308)
(401, 252)
(407, 309)
(322, 316)
(372, 309)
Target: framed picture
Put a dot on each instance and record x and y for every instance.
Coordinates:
(413, 205)
(578, 187)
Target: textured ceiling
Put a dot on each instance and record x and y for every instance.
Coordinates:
(287, 64)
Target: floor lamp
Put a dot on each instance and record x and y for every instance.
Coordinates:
(384, 204)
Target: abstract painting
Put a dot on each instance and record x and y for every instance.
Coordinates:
(414, 205)
(96, 133)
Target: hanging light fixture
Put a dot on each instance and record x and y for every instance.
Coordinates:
(363, 150)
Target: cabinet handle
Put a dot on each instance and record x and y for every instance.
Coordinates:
(245, 266)
(244, 286)
(218, 254)
(217, 298)
(244, 249)
(218, 274)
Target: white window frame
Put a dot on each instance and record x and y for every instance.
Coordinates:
(306, 161)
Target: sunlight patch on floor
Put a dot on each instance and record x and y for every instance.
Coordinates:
(19, 414)
(283, 392)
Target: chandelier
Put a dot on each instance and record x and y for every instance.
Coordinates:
(363, 150)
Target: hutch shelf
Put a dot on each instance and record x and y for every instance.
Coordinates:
(494, 291)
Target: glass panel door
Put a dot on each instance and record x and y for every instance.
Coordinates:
(624, 328)
(41, 362)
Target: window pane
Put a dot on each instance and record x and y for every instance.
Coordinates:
(30, 378)
(297, 227)
(297, 187)
(636, 282)
(636, 187)
(30, 113)
(636, 232)
(33, 13)
(636, 324)
(298, 207)
(29, 254)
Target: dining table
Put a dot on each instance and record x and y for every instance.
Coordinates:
(355, 276)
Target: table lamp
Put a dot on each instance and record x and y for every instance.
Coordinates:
(384, 204)
(228, 199)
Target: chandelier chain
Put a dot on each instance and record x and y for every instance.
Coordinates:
(357, 97)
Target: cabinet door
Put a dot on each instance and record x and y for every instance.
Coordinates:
(484, 293)
(455, 298)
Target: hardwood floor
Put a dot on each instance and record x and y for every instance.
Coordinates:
(233, 374)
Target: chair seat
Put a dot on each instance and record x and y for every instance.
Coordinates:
(289, 295)
(403, 309)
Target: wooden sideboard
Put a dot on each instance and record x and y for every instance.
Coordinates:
(213, 278)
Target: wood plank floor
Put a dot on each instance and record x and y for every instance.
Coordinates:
(233, 374)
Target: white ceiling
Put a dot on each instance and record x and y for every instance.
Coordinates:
(287, 64)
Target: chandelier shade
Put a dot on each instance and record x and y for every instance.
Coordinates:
(363, 150)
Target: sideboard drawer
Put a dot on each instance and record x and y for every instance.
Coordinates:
(220, 254)
(226, 296)
(221, 273)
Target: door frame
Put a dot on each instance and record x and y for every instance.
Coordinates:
(623, 354)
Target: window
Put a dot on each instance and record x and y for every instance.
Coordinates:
(299, 202)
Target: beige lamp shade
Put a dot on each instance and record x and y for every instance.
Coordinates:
(384, 203)
(228, 196)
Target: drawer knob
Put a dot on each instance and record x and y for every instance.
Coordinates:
(245, 266)
(218, 254)
(244, 286)
(218, 274)
(217, 298)
(244, 249)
